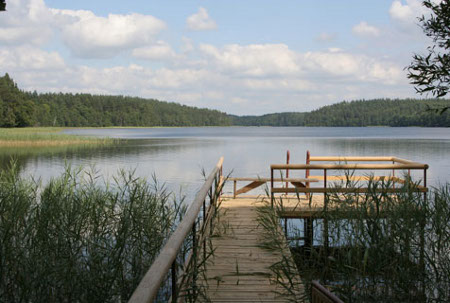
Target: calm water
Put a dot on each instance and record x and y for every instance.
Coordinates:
(177, 155)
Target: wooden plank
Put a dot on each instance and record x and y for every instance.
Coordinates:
(249, 187)
(239, 270)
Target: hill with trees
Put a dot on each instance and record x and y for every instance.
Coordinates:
(278, 119)
(381, 112)
(20, 109)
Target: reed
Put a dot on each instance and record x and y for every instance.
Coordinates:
(43, 136)
(80, 238)
(383, 247)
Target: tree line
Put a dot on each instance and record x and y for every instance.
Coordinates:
(21, 109)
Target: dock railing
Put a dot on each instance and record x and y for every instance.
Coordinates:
(321, 294)
(395, 165)
(196, 223)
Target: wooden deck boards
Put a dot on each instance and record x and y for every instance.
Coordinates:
(239, 270)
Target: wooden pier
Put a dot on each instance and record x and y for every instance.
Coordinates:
(215, 254)
(239, 270)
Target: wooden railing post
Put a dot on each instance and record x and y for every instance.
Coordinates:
(194, 255)
(288, 157)
(308, 161)
(271, 187)
(325, 206)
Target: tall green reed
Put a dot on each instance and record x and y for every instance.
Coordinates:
(80, 238)
(383, 247)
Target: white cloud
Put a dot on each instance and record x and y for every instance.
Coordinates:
(405, 14)
(253, 60)
(238, 78)
(327, 37)
(347, 67)
(188, 45)
(24, 58)
(408, 12)
(159, 51)
(200, 21)
(25, 22)
(90, 36)
(365, 30)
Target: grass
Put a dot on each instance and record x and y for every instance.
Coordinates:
(43, 136)
(80, 238)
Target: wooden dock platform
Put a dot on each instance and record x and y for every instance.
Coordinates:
(239, 270)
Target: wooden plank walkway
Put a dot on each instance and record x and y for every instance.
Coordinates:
(239, 270)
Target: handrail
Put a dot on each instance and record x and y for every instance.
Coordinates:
(349, 159)
(321, 294)
(349, 166)
(147, 289)
(363, 159)
(397, 164)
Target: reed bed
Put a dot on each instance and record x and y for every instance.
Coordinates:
(383, 247)
(43, 136)
(80, 238)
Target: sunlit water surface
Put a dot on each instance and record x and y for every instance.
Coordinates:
(176, 156)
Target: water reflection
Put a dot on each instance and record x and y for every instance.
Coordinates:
(177, 155)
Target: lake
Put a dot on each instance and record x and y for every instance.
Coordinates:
(176, 156)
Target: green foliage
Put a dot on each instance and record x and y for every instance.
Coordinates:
(431, 73)
(18, 109)
(15, 108)
(79, 238)
(381, 112)
(378, 112)
(278, 119)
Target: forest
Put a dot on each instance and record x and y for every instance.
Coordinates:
(20, 109)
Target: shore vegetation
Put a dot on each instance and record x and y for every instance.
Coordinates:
(383, 247)
(43, 136)
(80, 238)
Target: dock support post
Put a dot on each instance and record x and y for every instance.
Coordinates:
(174, 282)
(308, 234)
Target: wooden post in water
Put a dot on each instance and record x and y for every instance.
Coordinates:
(308, 225)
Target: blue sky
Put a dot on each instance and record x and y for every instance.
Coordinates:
(242, 57)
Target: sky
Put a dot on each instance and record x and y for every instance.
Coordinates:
(247, 57)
